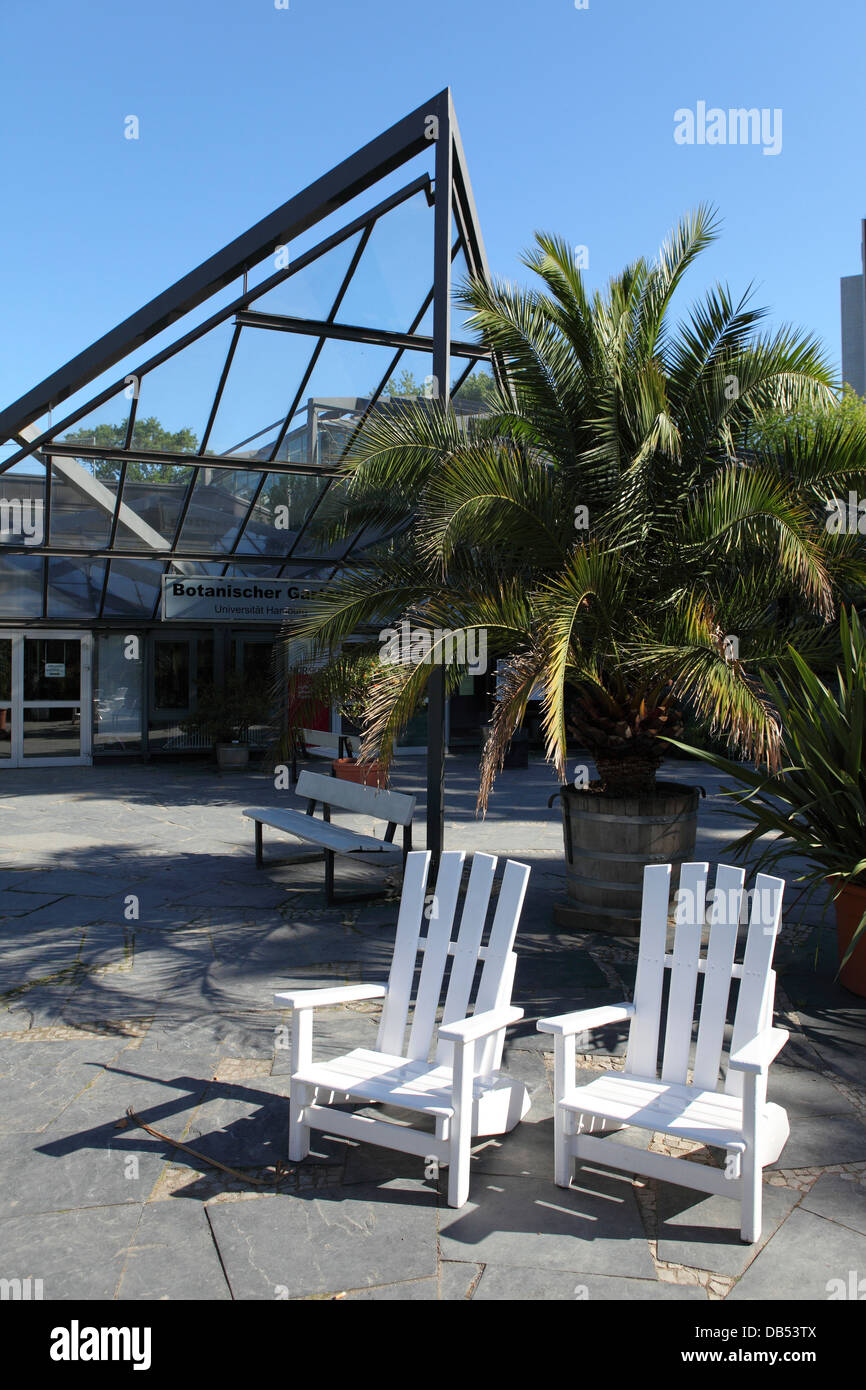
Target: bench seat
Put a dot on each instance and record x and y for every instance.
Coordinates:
(319, 832)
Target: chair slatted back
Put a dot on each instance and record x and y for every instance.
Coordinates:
(722, 909)
(758, 981)
(466, 948)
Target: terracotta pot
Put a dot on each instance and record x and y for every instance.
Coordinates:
(850, 906)
(368, 774)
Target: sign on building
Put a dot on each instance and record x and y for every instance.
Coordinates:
(208, 600)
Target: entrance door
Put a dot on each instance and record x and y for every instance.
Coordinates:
(45, 699)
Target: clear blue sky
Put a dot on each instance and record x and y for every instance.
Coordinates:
(567, 118)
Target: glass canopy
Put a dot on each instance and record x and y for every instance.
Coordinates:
(213, 453)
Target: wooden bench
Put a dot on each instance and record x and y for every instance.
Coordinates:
(331, 792)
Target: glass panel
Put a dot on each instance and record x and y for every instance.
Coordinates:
(52, 733)
(180, 666)
(171, 674)
(83, 495)
(74, 587)
(154, 492)
(5, 732)
(175, 399)
(280, 511)
(52, 668)
(396, 270)
(118, 683)
(460, 328)
(219, 504)
(22, 506)
(345, 377)
(253, 658)
(105, 427)
(309, 294)
(311, 545)
(133, 588)
(264, 376)
(5, 669)
(20, 585)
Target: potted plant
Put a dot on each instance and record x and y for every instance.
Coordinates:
(815, 804)
(224, 713)
(621, 528)
(345, 681)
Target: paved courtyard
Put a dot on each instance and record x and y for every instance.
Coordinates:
(139, 951)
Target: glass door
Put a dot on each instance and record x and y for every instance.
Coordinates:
(45, 698)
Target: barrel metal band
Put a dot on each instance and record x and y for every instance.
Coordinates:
(633, 820)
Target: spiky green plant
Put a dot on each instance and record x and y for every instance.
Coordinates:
(697, 528)
(815, 804)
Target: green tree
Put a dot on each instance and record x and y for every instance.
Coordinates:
(616, 522)
(148, 435)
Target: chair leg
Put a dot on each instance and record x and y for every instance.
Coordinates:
(299, 1133)
(563, 1161)
(563, 1120)
(460, 1142)
(752, 1179)
(458, 1169)
(302, 1054)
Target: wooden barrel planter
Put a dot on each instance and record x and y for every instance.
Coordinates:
(608, 841)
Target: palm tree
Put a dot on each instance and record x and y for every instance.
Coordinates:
(618, 524)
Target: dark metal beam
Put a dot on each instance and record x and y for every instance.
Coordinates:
(251, 465)
(355, 333)
(442, 377)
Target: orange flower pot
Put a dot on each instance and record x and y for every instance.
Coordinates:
(368, 774)
(850, 906)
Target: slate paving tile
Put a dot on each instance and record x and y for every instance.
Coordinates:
(838, 1198)
(454, 1283)
(173, 1256)
(76, 1254)
(536, 1285)
(704, 1231)
(244, 1123)
(326, 1242)
(58, 1171)
(38, 1080)
(803, 1092)
(519, 1221)
(802, 1259)
(818, 1140)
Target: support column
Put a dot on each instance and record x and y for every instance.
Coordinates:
(442, 382)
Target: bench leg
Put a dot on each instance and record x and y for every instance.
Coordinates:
(260, 862)
(329, 877)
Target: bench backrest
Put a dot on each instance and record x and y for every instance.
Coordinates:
(321, 738)
(724, 910)
(394, 807)
(436, 913)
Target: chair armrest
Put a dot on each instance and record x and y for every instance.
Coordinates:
(480, 1025)
(564, 1025)
(321, 998)
(757, 1054)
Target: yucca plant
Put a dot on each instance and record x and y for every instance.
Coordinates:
(616, 524)
(815, 804)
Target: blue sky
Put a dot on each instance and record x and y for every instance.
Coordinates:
(567, 117)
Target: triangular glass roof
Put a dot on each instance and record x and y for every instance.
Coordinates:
(208, 428)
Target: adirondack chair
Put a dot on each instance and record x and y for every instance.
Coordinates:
(461, 1086)
(737, 1117)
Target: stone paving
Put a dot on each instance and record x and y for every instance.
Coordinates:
(140, 951)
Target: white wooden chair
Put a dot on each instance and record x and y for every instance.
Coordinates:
(461, 1087)
(737, 1117)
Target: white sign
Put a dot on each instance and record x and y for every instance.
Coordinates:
(208, 600)
(55, 668)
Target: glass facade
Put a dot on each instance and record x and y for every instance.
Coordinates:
(216, 455)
